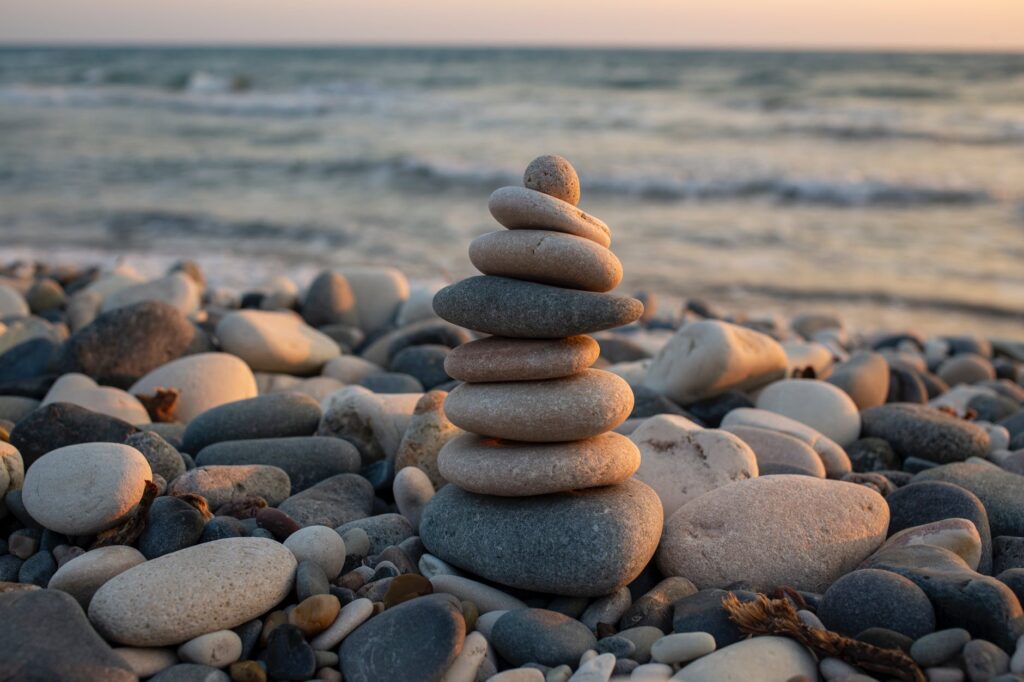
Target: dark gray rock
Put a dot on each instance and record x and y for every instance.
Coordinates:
(703, 612)
(190, 672)
(924, 502)
(122, 345)
(647, 402)
(509, 307)
(10, 566)
(391, 382)
(310, 580)
(581, 543)
(872, 454)
(886, 639)
(1007, 553)
(540, 636)
(38, 569)
(998, 489)
(656, 607)
(329, 300)
(47, 637)
(617, 349)
(992, 408)
(288, 655)
(171, 524)
(414, 641)
(27, 360)
(925, 432)
(939, 647)
(331, 502)
(220, 527)
(871, 598)
(906, 386)
(59, 424)
(163, 458)
(1014, 579)
(307, 460)
(982, 605)
(425, 363)
(384, 530)
(711, 411)
(275, 415)
(984, 660)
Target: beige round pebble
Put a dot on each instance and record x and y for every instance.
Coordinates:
(321, 545)
(412, 490)
(555, 176)
(428, 431)
(211, 586)
(497, 358)
(216, 649)
(818, 404)
(204, 381)
(351, 616)
(271, 341)
(518, 208)
(222, 483)
(86, 488)
(83, 391)
(147, 661)
(682, 647)
(562, 260)
(510, 468)
(85, 574)
(577, 407)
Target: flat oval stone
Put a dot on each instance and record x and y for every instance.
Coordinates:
(273, 341)
(583, 405)
(540, 636)
(213, 586)
(79, 389)
(925, 432)
(512, 307)
(497, 358)
(59, 425)
(205, 380)
(86, 488)
(277, 415)
(221, 484)
(768, 659)
(779, 453)
(778, 530)
(872, 598)
(331, 502)
(820, 405)
(511, 468)
(585, 543)
(561, 260)
(85, 574)
(518, 208)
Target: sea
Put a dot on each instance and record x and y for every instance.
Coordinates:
(888, 188)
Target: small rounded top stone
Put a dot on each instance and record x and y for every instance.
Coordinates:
(555, 176)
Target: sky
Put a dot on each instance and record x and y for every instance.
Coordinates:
(898, 24)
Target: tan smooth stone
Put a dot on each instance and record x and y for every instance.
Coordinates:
(553, 175)
(85, 574)
(573, 408)
(276, 341)
(315, 614)
(562, 260)
(205, 380)
(351, 616)
(513, 469)
(497, 358)
(428, 431)
(518, 208)
(146, 661)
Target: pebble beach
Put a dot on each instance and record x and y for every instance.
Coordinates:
(525, 475)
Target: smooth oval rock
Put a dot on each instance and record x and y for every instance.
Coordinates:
(59, 425)
(681, 463)
(86, 488)
(428, 431)
(321, 545)
(540, 636)
(766, 659)
(998, 490)
(307, 460)
(331, 502)
(820, 405)
(221, 484)
(833, 456)
(584, 543)
(518, 309)
(519, 208)
(789, 530)
(277, 415)
(204, 381)
(779, 453)
(271, 341)
(870, 598)
(584, 405)
(489, 466)
(497, 358)
(79, 389)
(85, 574)
(212, 586)
(925, 432)
(561, 260)
(710, 357)
(176, 289)
(555, 176)
(864, 377)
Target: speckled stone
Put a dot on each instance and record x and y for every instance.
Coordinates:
(428, 431)
(83, 575)
(553, 175)
(331, 502)
(519, 208)
(221, 484)
(925, 432)
(276, 415)
(59, 425)
(540, 636)
(497, 358)
(998, 489)
(871, 598)
(584, 405)
(561, 260)
(510, 307)
(307, 460)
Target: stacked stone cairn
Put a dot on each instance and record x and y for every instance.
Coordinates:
(541, 495)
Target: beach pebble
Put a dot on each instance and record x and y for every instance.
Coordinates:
(412, 490)
(176, 290)
(487, 599)
(315, 613)
(959, 536)
(872, 454)
(375, 424)
(13, 408)
(607, 609)
(998, 490)
(196, 590)
(217, 649)
(27, 360)
(573, 408)
(350, 369)
(864, 377)
(288, 656)
(925, 432)
(424, 363)
(612, 531)
(171, 524)
(511, 307)
(271, 341)
(59, 425)
(278, 415)
(681, 463)
(469, 660)
(46, 636)
(221, 484)
(307, 460)
(710, 357)
(321, 545)
(655, 607)
(553, 175)
(12, 303)
(939, 647)
(190, 672)
(519, 208)
(833, 456)
(423, 636)
(771, 659)
(331, 502)
(596, 669)
(561, 260)
(871, 598)
(496, 358)
(419, 306)
(205, 380)
(383, 530)
(351, 616)
(540, 636)
(779, 453)
(511, 468)
(789, 530)
(682, 647)
(147, 661)
(428, 431)
(820, 405)
(80, 390)
(163, 459)
(329, 300)
(55, 496)
(966, 368)
(12, 469)
(378, 291)
(984, 660)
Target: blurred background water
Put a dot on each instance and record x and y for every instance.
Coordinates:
(889, 187)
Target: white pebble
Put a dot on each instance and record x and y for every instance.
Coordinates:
(518, 675)
(321, 545)
(216, 649)
(834, 668)
(412, 489)
(654, 672)
(465, 666)
(349, 618)
(810, 619)
(682, 647)
(597, 669)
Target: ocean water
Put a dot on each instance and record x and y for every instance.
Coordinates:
(888, 187)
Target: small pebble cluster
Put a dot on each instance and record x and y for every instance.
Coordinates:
(365, 479)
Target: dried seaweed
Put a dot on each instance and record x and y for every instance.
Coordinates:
(162, 405)
(129, 531)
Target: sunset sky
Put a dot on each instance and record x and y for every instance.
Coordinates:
(901, 24)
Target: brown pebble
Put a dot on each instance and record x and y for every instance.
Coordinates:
(247, 671)
(378, 608)
(555, 176)
(406, 587)
(277, 522)
(376, 590)
(353, 580)
(399, 558)
(329, 674)
(315, 614)
(470, 613)
(273, 620)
